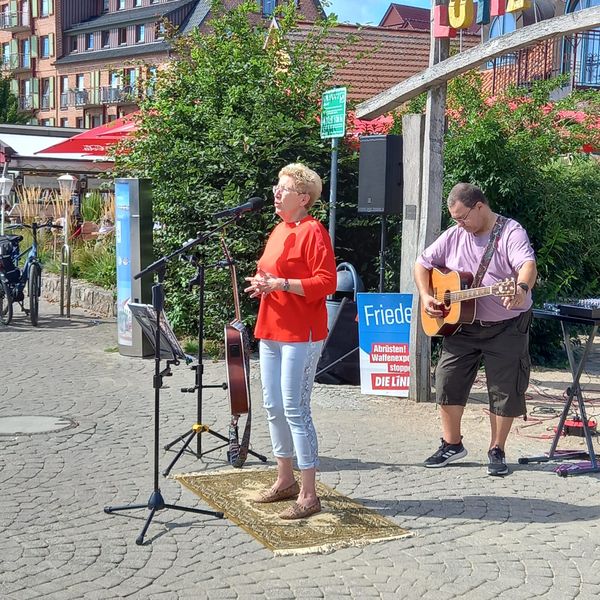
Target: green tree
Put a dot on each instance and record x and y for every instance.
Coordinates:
(9, 104)
(228, 112)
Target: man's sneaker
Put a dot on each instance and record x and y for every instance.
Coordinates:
(497, 464)
(445, 454)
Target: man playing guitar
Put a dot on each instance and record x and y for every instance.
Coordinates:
(499, 333)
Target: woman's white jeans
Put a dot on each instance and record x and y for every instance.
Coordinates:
(287, 371)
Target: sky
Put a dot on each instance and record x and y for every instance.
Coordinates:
(366, 11)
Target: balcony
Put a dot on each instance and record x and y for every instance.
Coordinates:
(15, 21)
(577, 56)
(17, 63)
(81, 98)
(45, 101)
(127, 94)
(26, 102)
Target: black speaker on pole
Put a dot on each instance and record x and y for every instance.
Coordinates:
(380, 175)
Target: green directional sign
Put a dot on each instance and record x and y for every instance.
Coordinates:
(333, 113)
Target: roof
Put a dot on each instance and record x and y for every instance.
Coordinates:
(108, 53)
(197, 16)
(129, 17)
(412, 17)
(378, 60)
(417, 18)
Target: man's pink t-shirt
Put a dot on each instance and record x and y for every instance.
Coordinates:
(458, 250)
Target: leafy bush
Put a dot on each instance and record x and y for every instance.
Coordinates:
(230, 112)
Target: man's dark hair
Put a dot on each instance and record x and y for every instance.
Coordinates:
(467, 193)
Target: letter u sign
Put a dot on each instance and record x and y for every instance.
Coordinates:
(461, 13)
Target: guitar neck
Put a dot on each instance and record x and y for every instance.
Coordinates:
(234, 283)
(471, 293)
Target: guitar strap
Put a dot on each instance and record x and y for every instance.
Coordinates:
(489, 251)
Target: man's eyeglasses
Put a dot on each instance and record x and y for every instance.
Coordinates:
(282, 188)
(462, 220)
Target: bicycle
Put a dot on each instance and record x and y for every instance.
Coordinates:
(13, 280)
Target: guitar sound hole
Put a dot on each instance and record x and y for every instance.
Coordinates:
(235, 351)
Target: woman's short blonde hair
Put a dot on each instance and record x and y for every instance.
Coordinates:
(306, 181)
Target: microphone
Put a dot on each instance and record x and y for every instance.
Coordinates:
(251, 205)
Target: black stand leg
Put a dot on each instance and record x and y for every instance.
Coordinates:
(199, 428)
(156, 501)
(574, 391)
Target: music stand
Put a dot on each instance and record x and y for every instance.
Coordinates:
(156, 327)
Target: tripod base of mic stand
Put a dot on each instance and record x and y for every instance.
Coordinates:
(156, 503)
(198, 429)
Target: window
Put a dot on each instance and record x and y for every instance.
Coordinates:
(79, 81)
(89, 41)
(6, 54)
(105, 5)
(73, 43)
(45, 46)
(45, 122)
(122, 35)
(105, 39)
(45, 103)
(137, 3)
(44, 8)
(130, 77)
(581, 55)
(140, 32)
(268, 7)
(500, 26)
(25, 53)
(64, 122)
(96, 120)
(79, 122)
(159, 31)
(120, 4)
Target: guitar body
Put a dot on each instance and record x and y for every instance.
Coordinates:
(443, 283)
(236, 343)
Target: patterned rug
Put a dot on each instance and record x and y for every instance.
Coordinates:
(342, 522)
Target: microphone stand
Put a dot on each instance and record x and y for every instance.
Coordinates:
(156, 501)
(199, 428)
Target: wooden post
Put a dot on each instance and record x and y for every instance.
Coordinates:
(430, 213)
(413, 131)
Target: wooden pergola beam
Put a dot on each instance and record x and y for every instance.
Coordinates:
(461, 63)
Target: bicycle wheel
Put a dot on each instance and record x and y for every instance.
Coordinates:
(6, 308)
(34, 287)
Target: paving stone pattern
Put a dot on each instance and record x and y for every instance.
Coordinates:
(529, 535)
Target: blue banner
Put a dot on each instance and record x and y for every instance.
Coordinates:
(123, 239)
(384, 336)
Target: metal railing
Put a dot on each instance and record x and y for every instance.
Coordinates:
(26, 102)
(15, 20)
(98, 96)
(577, 56)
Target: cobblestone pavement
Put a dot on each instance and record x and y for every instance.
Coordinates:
(529, 535)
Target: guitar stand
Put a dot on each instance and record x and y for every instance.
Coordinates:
(199, 428)
(156, 501)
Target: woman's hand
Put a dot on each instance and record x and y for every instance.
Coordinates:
(263, 283)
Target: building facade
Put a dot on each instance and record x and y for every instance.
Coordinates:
(80, 63)
(576, 56)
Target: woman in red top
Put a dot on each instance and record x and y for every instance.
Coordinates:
(295, 274)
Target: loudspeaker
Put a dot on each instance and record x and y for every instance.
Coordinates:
(380, 175)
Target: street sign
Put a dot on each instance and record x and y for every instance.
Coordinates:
(333, 113)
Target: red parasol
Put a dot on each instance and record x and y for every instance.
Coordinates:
(96, 141)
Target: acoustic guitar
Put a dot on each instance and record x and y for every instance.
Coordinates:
(236, 350)
(453, 289)
(237, 357)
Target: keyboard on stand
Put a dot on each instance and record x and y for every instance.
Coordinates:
(586, 309)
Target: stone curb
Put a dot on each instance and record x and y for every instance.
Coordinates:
(84, 295)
